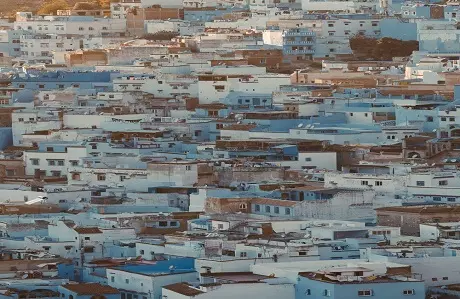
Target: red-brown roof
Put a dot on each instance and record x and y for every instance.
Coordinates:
(90, 289)
(239, 127)
(88, 230)
(184, 289)
(274, 202)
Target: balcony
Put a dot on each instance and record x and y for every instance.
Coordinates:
(299, 52)
(300, 42)
(300, 33)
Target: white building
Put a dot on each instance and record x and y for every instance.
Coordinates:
(378, 6)
(71, 25)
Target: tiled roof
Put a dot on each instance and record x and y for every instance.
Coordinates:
(184, 289)
(88, 230)
(90, 289)
(274, 202)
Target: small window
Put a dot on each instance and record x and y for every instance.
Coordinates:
(434, 279)
(308, 292)
(420, 183)
(436, 198)
(142, 252)
(365, 293)
(51, 162)
(257, 208)
(112, 278)
(408, 292)
(101, 177)
(364, 183)
(443, 183)
(60, 162)
(327, 293)
(87, 238)
(243, 254)
(445, 278)
(277, 210)
(267, 209)
(451, 199)
(443, 119)
(188, 167)
(307, 159)
(287, 211)
(126, 280)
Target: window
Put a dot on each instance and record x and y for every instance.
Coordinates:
(378, 183)
(330, 25)
(49, 149)
(365, 293)
(267, 209)
(101, 177)
(34, 161)
(420, 183)
(243, 254)
(56, 173)
(434, 279)
(408, 292)
(122, 178)
(257, 208)
(41, 85)
(451, 199)
(287, 211)
(443, 183)
(307, 159)
(74, 163)
(126, 280)
(451, 118)
(188, 167)
(76, 176)
(87, 238)
(308, 292)
(443, 119)
(20, 119)
(436, 198)
(327, 293)
(60, 162)
(444, 278)
(142, 251)
(112, 278)
(364, 183)
(277, 210)
(94, 146)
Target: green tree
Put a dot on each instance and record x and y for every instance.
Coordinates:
(51, 7)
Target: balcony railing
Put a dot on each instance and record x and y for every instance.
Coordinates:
(300, 42)
(300, 33)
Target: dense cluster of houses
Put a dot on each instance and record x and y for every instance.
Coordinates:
(221, 148)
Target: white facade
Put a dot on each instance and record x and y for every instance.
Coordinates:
(345, 6)
(147, 283)
(53, 163)
(212, 91)
(266, 290)
(72, 25)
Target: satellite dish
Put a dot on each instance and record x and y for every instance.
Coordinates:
(300, 126)
(172, 267)
(129, 258)
(25, 276)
